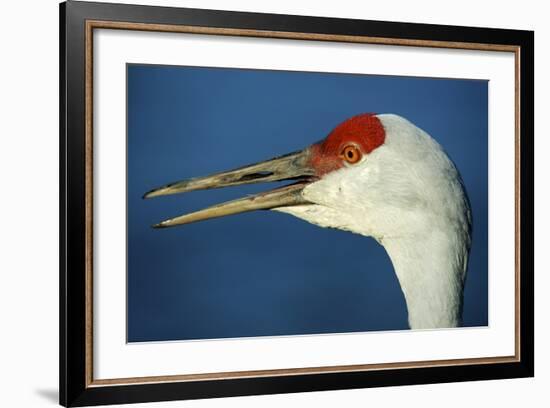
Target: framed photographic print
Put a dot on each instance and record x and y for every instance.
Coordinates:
(255, 203)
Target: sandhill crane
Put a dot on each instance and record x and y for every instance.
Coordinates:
(375, 175)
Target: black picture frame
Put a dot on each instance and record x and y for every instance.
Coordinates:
(76, 389)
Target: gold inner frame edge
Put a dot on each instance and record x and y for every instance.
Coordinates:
(93, 24)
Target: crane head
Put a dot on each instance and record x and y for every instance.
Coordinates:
(377, 175)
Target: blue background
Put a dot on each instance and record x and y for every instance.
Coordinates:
(267, 273)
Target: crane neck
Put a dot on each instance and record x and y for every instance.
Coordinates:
(431, 272)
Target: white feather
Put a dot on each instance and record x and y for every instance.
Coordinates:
(408, 195)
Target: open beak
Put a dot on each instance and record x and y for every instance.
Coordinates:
(294, 166)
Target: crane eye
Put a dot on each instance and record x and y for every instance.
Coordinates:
(351, 154)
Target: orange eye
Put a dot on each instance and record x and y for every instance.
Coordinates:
(351, 154)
